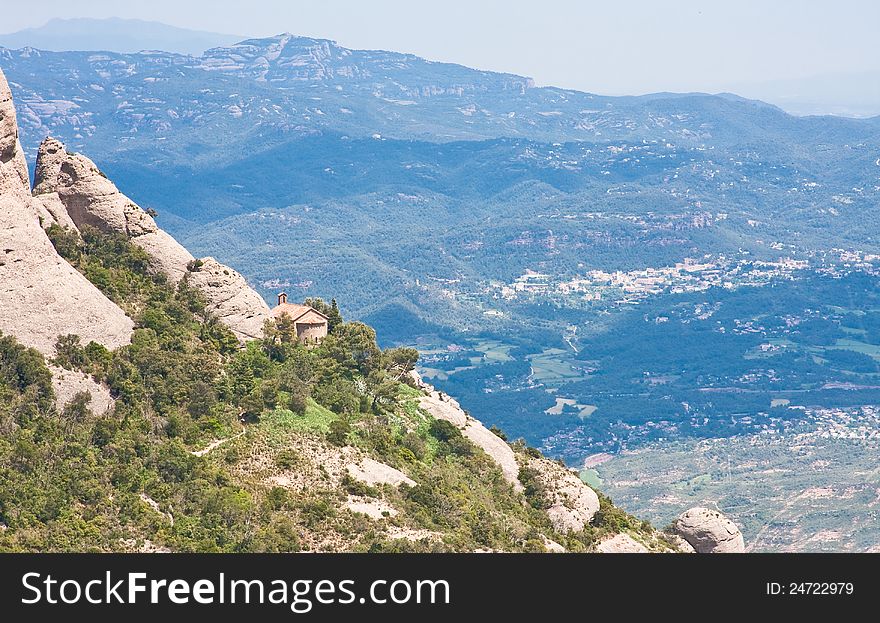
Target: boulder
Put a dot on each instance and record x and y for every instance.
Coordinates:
(230, 298)
(621, 544)
(708, 531)
(569, 502)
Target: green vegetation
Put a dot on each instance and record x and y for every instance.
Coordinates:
(214, 446)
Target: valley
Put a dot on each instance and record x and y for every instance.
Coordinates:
(661, 279)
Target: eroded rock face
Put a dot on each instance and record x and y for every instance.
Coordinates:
(621, 544)
(89, 197)
(73, 192)
(13, 166)
(570, 503)
(41, 295)
(167, 256)
(8, 123)
(68, 383)
(709, 532)
(443, 407)
(49, 158)
(230, 298)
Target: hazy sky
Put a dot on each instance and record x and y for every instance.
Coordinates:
(612, 47)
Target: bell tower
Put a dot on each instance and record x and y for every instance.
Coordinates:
(282, 298)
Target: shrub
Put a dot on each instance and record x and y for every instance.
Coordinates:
(443, 430)
(69, 353)
(353, 486)
(415, 444)
(339, 431)
(534, 489)
(287, 458)
(498, 432)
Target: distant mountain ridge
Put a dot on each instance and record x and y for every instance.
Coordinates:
(116, 35)
(365, 92)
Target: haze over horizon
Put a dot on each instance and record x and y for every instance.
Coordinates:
(807, 57)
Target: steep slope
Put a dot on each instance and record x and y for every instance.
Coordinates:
(41, 295)
(72, 186)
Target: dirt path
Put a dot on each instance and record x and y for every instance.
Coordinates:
(216, 444)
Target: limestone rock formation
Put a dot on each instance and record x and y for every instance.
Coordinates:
(68, 383)
(570, 503)
(49, 158)
(621, 544)
(13, 167)
(75, 183)
(73, 192)
(8, 124)
(709, 531)
(230, 298)
(443, 407)
(375, 473)
(41, 295)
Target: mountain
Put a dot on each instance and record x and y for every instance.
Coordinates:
(115, 34)
(602, 276)
(823, 94)
(177, 427)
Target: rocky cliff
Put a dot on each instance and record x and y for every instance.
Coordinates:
(41, 295)
(74, 192)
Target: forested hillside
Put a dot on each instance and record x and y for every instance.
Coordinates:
(214, 447)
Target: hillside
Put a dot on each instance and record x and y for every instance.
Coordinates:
(597, 275)
(192, 432)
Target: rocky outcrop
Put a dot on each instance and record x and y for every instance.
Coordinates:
(375, 473)
(621, 544)
(8, 123)
(680, 544)
(569, 503)
(68, 383)
(73, 192)
(709, 532)
(41, 295)
(230, 298)
(13, 166)
(49, 158)
(53, 211)
(443, 407)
